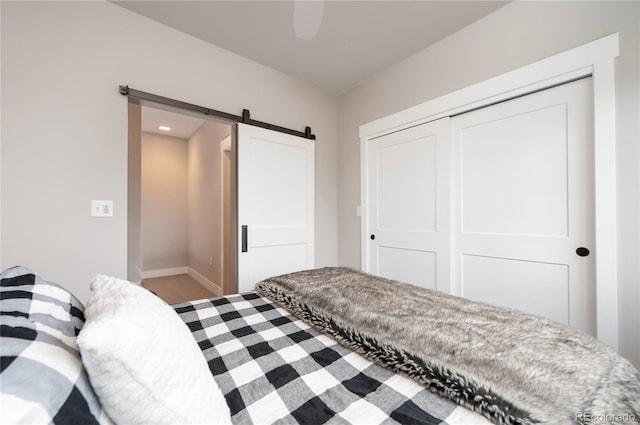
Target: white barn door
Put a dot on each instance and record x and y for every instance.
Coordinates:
(275, 204)
(408, 205)
(523, 202)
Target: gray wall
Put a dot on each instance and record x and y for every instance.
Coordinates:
(64, 127)
(164, 202)
(513, 36)
(205, 200)
(182, 201)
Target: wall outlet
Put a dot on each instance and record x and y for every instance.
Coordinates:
(211, 261)
(101, 208)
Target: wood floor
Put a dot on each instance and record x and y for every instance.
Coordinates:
(177, 289)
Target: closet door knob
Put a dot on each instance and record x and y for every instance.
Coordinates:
(373, 237)
(582, 251)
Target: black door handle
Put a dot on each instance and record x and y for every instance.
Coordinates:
(582, 251)
(244, 238)
(373, 237)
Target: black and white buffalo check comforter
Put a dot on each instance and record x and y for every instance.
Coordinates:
(274, 368)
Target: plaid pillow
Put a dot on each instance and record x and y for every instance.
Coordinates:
(42, 379)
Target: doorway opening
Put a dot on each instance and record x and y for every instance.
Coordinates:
(181, 197)
(276, 169)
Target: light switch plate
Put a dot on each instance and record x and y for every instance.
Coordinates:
(101, 208)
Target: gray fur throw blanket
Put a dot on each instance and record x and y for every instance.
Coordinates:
(511, 367)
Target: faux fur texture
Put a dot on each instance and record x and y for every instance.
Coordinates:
(511, 367)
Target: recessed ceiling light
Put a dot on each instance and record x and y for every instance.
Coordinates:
(164, 128)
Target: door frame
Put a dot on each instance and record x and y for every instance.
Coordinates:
(134, 163)
(228, 212)
(595, 59)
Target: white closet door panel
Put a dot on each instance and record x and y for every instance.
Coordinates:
(406, 265)
(516, 185)
(401, 165)
(408, 205)
(542, 289)
(275, 203)
(545, 249)
(523, 203)
(406, 239)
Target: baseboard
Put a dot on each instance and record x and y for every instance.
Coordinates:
(213, 287)
(149, 274)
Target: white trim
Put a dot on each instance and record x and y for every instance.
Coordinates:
(556, 69)
(225, 144)
(604, 117)
(595, 58)
(213, 287)
(150, 274)
(225, 152)
(364, 201)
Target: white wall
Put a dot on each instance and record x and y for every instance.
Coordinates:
(64, 134)
(164, 202)
(513, 36)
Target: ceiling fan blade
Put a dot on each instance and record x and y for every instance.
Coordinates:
(307, 17)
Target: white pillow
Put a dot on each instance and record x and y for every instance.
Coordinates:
(142, 360)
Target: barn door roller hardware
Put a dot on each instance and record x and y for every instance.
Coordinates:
(245, 118)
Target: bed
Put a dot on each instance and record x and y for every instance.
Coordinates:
(330, 346)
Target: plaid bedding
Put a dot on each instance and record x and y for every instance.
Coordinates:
(274, 368)
(42, 379)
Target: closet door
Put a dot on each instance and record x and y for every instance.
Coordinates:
(275, 204)
(523, 203)
(408, 205)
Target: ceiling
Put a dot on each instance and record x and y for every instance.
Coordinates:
(355, 39)
(181, 124)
